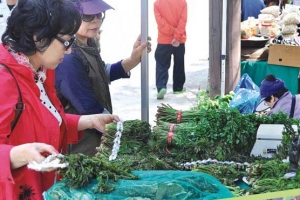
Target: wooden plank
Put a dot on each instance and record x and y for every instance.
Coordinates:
(233, 45)
(215, 44)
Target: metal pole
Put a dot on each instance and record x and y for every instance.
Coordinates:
(223, 56)
(144, 63)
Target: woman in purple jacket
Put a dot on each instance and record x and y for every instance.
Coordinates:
(278, 98)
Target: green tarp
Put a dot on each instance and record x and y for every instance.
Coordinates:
(156, 185)
(257, 70)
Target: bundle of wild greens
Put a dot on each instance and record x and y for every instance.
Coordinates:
(135, 136)
(134, 152)
(82, 169)
(165, 113)
(275, 184)
(222, 134)
(274, 168)
(267, 176)
(226, 174)
(264, 175)
(177, 141)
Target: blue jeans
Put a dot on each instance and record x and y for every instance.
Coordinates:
(163, 55)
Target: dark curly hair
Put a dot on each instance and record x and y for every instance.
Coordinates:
(40, 21)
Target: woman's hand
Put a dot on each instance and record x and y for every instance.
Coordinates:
(96, 121)
(136, 54)
(23, 154)
(138, 48)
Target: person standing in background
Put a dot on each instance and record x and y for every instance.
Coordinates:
(251, 8)
(171, 19)
(5, 8)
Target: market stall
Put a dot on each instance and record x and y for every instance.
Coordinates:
(203, 153)
(272, 26)
(190, 154)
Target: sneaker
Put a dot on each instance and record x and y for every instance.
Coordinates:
(179, 91)
(161, 93)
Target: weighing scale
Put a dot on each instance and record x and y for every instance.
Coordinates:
(268, 138)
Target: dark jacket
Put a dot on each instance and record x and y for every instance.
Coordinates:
(251, 8)
(82, 82)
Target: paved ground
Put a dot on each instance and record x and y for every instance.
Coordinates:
(120, 29)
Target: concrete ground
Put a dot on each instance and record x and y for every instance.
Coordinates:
(120, 29)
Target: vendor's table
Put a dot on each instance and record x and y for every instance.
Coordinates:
(257, 70)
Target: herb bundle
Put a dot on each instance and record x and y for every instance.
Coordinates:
(263, 176)
(168, 114)
(82, 169)
(222, 134)
(135, 136)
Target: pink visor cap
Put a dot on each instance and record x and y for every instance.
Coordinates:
(91, 7)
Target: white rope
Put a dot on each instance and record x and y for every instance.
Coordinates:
(117, 141)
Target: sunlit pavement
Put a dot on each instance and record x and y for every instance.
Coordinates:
(120, 30)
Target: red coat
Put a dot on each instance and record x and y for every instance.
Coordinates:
(36, 124)
(171, 18)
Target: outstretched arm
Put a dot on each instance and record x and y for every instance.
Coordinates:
(97, 121)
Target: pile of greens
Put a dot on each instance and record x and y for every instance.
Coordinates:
(263, 176)
(134, 154)
(166, 113)
(210, 130)
(222, 134)
(82, 169)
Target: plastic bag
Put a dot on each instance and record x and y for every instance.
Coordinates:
(246, 96)
(274, 10)
(246, 82)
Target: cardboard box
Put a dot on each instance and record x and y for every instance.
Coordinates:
(285, 55)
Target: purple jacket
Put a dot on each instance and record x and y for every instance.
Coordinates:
(284, 104)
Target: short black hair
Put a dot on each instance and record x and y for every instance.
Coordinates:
(267, 2)
(44, 19)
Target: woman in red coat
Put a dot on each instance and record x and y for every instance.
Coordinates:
(38, 35)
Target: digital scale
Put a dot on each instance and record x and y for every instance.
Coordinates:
(268, 138)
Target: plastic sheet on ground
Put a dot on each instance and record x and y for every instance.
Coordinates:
(151, 185)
